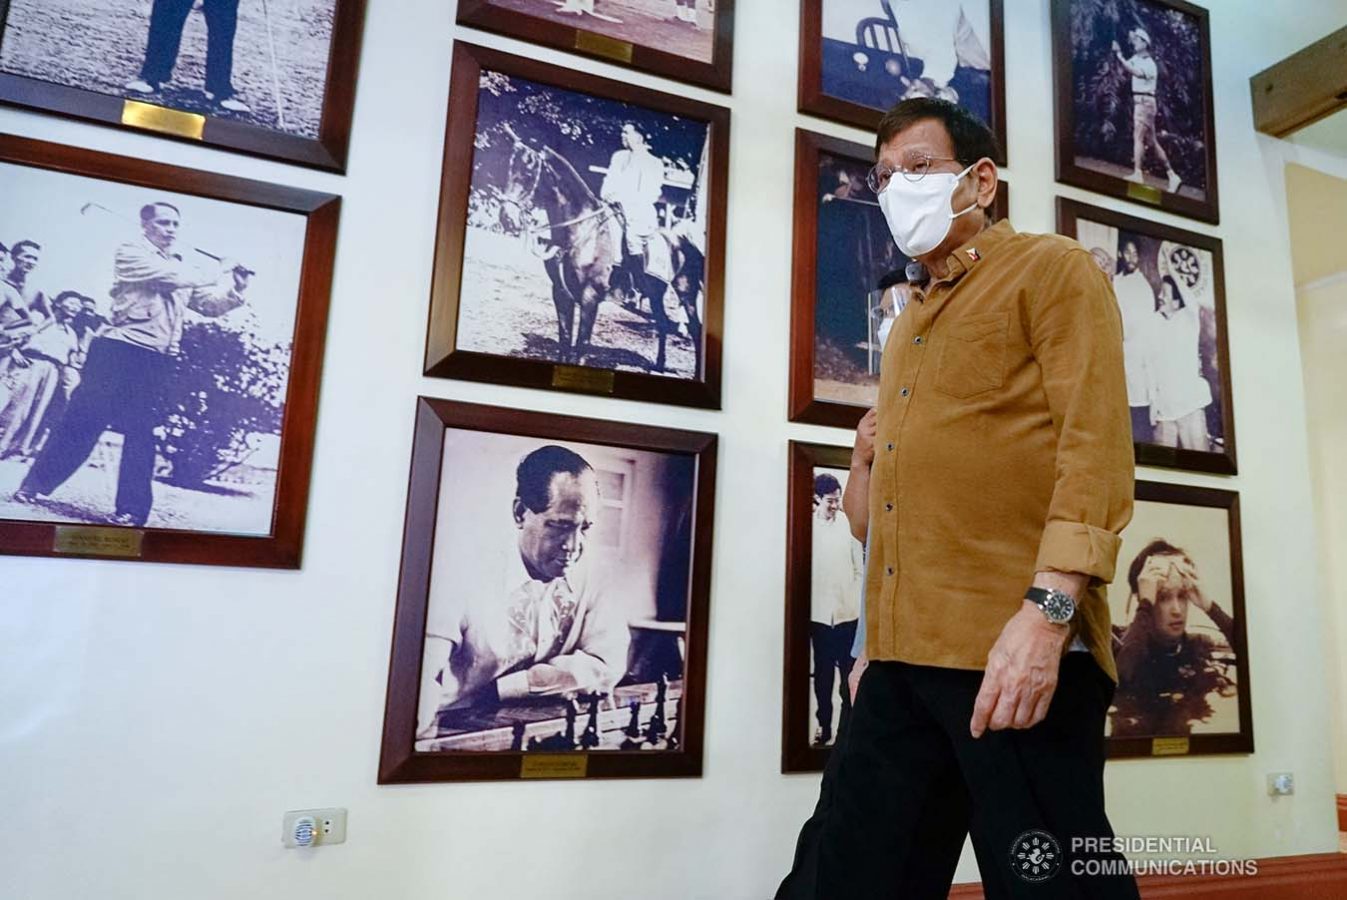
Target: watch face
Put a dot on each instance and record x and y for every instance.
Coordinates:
(1059, 607)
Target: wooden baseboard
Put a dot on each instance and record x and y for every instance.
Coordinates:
(1320, 876)
(1342, 812)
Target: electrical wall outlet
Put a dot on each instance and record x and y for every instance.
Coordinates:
(329, 826)
(1281, 784)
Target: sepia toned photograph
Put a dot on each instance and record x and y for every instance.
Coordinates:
(560, 614)
(148, 343)
(1179, 631)
(684, 39)
(849, 282)
(825, 577)
(591, 221)
(1134, 102)
(1171, 293)
(858, 58)
(263, 65)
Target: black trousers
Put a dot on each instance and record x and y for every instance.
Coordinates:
(832, 657)
(906, 782)
(121, 390)
(167, 19)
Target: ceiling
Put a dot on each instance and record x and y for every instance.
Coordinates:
(1317, 205)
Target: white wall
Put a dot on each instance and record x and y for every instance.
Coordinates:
(158, 719)
(1323, 334)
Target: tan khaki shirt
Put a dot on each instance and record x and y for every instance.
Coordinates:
(1004, 447)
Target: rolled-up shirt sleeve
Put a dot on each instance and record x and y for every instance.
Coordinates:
(1076, 334)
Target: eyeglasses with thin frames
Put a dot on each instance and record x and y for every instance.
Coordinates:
(878, 176)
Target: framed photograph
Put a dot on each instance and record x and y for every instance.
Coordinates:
(860, 57)
(161, 341)
(274, 79)
(1178, 627)
(825, 575)
(848, 282)
(581, 234)
(1134, 102)
(552, 607)
(1170, 286)
(690, 40)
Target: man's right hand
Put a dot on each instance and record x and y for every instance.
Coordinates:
(863, 450)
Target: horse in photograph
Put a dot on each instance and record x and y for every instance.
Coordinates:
(583, 253)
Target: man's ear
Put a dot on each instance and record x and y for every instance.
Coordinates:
(519, 510)
(987, 180)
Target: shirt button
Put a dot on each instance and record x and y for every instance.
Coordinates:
(905, 392)
(917, 339)
(889, 570)
(889, 447)
(888, 507)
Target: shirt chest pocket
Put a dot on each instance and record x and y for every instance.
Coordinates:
(973, 356)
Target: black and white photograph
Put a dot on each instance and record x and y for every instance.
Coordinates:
(1179, 633)
(1134, 101)
(860, 57)
(825, 578)
(560, 600)
(837, 579)
(685, 28)
(587, 232)
(849, 282)
(147, 338)
(263, 64)
(585, 243)
(1171, 295)
(860, 286)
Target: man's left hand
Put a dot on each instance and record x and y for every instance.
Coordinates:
(1021, 674)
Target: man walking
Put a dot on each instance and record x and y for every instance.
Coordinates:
(131, 361)
(835, 597)
(1002, 476)
(167, 19)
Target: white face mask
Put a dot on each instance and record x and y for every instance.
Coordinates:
(918, 212)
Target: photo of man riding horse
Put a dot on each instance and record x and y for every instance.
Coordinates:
(584, 200)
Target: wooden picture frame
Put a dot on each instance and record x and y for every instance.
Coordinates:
(798, 752)
(813, 100)
(804, 403)
(1196, 280)
(281, 548)
(325, 150)
(595, 43)
(446, 359)
(1199, 658)
(1196, 156)
(400, 761)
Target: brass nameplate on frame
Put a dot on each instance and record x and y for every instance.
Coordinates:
(1144, 192)
(1169, 746)
(603, 45)
(554, 765)
(580, 378)
(88, 541)
(162, 119)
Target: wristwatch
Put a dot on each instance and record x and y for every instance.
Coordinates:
(1055, 605)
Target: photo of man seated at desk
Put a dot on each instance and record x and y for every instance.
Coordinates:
(558, 597)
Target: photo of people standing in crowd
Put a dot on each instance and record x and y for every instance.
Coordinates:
(145, 343)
